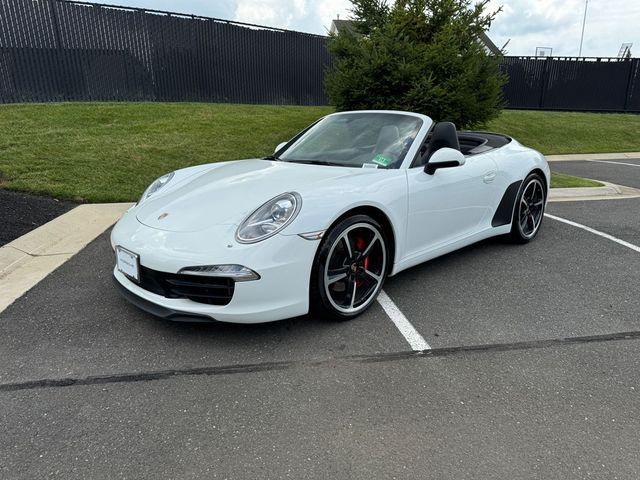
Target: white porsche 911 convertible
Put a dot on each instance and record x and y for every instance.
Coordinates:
(318, 226)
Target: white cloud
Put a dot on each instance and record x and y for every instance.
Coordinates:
(558, 24)
(275, 13)
(313, 16)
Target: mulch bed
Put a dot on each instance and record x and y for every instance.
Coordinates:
(20, 213)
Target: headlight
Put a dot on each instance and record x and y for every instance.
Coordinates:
(157, 185)
(270, 218)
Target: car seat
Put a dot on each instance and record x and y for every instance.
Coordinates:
(389, 134)
(443, 135)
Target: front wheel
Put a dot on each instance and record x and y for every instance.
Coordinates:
(529, 209)
(349, 269)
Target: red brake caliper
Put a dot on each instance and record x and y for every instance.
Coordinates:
(360, 244)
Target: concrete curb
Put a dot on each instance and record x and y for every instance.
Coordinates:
(30, 258)
(610, 191)
(592, 156)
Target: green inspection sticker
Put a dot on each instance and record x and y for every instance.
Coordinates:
(381, 160)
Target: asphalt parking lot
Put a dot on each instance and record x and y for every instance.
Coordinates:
(533, 373)
(623, 171)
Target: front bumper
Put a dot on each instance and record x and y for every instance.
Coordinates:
(158, 310)
(283, 262)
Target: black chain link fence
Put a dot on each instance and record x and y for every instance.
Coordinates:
(587, 84)
(56, 50)
(60, 50)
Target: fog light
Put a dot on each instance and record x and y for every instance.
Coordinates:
(236, 272)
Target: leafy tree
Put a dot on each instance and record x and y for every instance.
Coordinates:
(417, 55)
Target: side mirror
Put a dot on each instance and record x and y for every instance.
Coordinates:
(280, 146)
(444, 158)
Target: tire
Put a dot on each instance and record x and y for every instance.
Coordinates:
(341, 268)
(528, 211)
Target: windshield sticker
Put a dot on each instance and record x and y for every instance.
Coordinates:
(381, 160)
(369, 165)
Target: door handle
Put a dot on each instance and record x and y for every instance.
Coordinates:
(489, 176)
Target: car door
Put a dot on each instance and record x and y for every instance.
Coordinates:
(449, 205)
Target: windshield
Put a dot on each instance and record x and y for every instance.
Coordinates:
(360, 140)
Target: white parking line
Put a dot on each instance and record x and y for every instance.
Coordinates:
(408, 331)
(616, 163)
(596, 232)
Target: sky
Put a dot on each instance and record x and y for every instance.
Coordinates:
(526, 24)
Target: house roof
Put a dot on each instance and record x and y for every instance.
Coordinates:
(338, 26)
(488, 43)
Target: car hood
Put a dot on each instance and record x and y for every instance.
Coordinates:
(226, 193)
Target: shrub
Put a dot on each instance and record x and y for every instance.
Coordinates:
(417, 55)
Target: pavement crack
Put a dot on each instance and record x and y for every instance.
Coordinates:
(35, 255)
(285, 365)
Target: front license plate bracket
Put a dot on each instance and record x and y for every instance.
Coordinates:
(128, 263)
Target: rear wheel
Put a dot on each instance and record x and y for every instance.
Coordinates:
(350, 268)
(529, 209)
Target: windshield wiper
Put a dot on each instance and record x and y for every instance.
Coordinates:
(271, 157)
(318, 162)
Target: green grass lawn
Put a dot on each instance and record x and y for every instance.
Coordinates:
(104, 152)
(560, 180)
(570, 132)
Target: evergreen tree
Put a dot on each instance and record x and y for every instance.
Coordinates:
(417, 55)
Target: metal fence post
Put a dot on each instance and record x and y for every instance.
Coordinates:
(55, 24)
(633, 65)
(543, 81)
